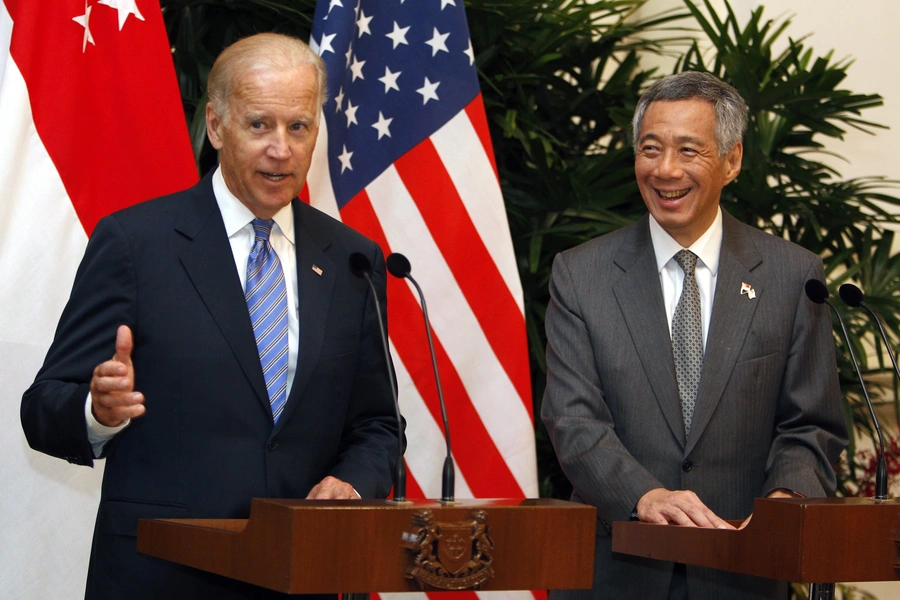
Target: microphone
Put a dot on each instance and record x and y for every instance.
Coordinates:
(853, 297)
(398, 266)
(361, 266)
(818, 293)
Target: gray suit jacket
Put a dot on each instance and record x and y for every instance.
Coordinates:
(767, 416)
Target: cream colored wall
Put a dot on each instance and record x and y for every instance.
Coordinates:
(867, 32)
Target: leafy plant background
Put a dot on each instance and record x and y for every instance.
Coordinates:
(560, 79)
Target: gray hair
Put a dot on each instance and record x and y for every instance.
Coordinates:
(263, 50)
(730, 108)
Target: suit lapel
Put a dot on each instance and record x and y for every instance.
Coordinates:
(209, 264)
(640, 299)
(730, 320)
(316, 276)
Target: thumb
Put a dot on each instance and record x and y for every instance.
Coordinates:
(124, 345)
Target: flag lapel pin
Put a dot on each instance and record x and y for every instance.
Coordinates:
(747, 290)
(317, 270)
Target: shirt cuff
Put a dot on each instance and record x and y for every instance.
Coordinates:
(98, 433)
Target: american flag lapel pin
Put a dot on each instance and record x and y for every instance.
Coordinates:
(747, 290)
(317, 270)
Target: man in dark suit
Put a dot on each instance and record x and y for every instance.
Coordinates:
(212, 395)
(683, 385)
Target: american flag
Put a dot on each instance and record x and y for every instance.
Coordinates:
(405, 157)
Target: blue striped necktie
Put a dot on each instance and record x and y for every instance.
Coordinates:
(267, 301)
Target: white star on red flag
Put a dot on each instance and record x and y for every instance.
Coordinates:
(125, 8)
(84, 21)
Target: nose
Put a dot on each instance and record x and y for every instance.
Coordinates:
(669, 166)
(279, 147)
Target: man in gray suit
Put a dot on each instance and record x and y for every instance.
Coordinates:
(682, 385)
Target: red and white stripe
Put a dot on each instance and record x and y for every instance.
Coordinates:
(441, 206)
(83, 132)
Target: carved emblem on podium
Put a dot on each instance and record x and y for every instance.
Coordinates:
(449, 556)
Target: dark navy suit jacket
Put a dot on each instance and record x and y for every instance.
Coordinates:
(207, 443)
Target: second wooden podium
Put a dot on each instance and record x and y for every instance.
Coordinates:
(300, 546)
(805, 540)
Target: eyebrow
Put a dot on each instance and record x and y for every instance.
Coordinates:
(682, 139)
(253, 117)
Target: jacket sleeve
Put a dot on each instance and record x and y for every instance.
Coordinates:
(810, 430)
(102, 298)
(581, 426)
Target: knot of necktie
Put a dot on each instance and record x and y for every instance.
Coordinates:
(687, 260)
(262, 228)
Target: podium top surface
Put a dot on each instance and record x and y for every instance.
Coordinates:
(804, 540)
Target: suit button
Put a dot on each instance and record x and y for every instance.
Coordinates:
(272, 444)
(686, 466)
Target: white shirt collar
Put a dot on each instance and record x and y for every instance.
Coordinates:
(236, 216)
(707, 246)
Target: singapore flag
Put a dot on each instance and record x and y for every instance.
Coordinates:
(90, 122)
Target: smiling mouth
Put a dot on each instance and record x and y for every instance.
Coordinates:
(274, 176)
(674, 195)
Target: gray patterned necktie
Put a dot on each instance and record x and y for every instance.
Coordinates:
(687, 338)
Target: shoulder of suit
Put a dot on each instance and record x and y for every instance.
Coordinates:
(609, 244)
(770, 245)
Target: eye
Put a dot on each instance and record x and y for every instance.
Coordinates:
(689, 151)
(257, 125)
(298, 126)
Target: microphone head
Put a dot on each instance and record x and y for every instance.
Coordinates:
(398, 265)
(851, 295)
(816, 291)
(360, 264)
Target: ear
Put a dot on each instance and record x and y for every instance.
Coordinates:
(733, 162)
(214, 127)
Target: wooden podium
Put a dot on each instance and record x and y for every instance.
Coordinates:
(303, 546)
(803, 540)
